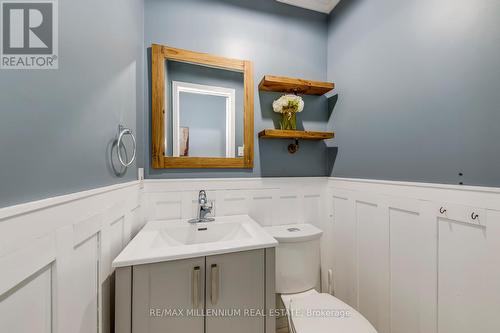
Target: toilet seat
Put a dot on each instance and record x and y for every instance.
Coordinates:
(313, 312)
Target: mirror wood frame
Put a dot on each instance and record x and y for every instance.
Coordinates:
(159, 55)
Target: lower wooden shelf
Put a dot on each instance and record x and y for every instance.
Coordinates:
(297, 135)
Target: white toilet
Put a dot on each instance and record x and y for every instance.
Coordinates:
(298, 277)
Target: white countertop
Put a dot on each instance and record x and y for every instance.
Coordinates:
(170, 240)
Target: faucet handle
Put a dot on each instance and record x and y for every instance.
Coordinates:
(210, 205)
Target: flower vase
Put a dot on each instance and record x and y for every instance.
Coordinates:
(288, 121)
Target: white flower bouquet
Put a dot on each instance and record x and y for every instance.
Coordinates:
(288, 106)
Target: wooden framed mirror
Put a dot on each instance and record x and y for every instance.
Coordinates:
(202, 110)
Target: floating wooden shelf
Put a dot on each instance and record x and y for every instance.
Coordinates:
(296, 135)
(294, 86)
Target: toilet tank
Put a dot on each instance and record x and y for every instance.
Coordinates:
(297, 257)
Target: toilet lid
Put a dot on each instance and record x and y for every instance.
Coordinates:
(323, 313)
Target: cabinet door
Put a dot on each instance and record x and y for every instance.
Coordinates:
(167, 296)
(235, 283)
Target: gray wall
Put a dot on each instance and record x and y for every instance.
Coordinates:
(205, 116)
(56, 126)
(279, 39)
(418, 90)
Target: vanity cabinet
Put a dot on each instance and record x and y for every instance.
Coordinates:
(211, 294)
(168, 286)
(235, 281)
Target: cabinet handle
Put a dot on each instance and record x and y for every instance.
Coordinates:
(214, 290)
(195, 287)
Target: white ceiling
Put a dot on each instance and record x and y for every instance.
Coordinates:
(324, 6)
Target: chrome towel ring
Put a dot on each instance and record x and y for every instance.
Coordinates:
(122, 131)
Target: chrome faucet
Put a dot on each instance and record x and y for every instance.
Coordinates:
(204, 208)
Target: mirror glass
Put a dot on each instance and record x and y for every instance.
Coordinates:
(203, 111)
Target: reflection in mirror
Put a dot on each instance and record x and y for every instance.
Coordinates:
(204, 111)
(208, 134)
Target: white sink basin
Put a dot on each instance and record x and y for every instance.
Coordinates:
(199, 234)
(177, 239)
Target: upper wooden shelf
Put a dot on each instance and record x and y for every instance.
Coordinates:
(294, 86)
(289, 134)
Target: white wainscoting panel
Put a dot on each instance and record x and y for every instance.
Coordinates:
(56, 258)
(344, 248)
(261, 205)
(469, 275)
(231, 202)
(56, 253)
(270, 201)
(404, 249)
(413, 258)
(417, 258)
(28, 308)
(372, 261)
